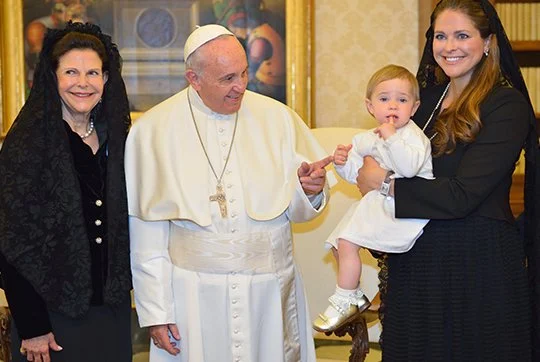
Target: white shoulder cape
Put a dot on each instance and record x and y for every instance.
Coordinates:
(167, 171)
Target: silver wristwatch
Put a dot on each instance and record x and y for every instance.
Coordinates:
(385, 186)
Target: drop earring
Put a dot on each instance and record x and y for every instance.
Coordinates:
(486, 53)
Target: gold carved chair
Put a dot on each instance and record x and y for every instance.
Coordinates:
(5, 329)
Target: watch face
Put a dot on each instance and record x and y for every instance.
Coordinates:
(385, 188)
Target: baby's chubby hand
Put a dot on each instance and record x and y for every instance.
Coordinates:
(386, 130)
(341, 154)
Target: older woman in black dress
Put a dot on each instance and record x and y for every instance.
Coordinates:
(63, 222)
(462, 293)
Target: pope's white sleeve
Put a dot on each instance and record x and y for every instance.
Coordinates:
(301, 209)
(152, 271)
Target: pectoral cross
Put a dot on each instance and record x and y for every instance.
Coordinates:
(221, 200)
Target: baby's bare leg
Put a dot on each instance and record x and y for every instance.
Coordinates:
(348, 299)
(349, 264)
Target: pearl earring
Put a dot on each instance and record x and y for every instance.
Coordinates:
(486, 53)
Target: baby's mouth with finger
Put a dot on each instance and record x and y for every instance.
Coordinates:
(391, 118)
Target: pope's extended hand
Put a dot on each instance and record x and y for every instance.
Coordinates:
(160, 337)
(312, 176)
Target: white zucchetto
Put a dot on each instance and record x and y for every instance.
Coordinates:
(202, 35)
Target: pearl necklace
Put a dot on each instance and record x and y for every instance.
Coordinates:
(89, 131)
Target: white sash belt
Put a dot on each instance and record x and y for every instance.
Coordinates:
(253, 253)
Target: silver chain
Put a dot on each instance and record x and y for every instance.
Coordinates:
(204, 149)
(434, 110)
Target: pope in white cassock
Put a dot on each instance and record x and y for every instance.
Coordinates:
(215, 174)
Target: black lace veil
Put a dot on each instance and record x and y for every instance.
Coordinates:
(427, 77)
(42, 228)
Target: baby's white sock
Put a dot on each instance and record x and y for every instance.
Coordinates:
(347, 293)
(344, 295)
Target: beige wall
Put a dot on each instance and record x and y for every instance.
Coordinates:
(352, 39)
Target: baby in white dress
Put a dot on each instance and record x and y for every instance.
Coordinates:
(399, 146)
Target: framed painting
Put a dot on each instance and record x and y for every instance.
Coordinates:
(12, 62)
(150, 35)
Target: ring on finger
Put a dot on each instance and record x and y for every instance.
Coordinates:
(23, 351)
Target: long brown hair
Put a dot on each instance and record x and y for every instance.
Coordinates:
(460, 122)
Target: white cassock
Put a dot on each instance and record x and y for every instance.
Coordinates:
(229, 284)
(371, 222)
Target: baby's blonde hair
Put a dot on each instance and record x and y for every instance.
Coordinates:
(390, 72)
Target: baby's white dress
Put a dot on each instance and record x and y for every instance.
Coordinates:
(371, 222)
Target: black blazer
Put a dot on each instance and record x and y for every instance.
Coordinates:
(475, 179)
